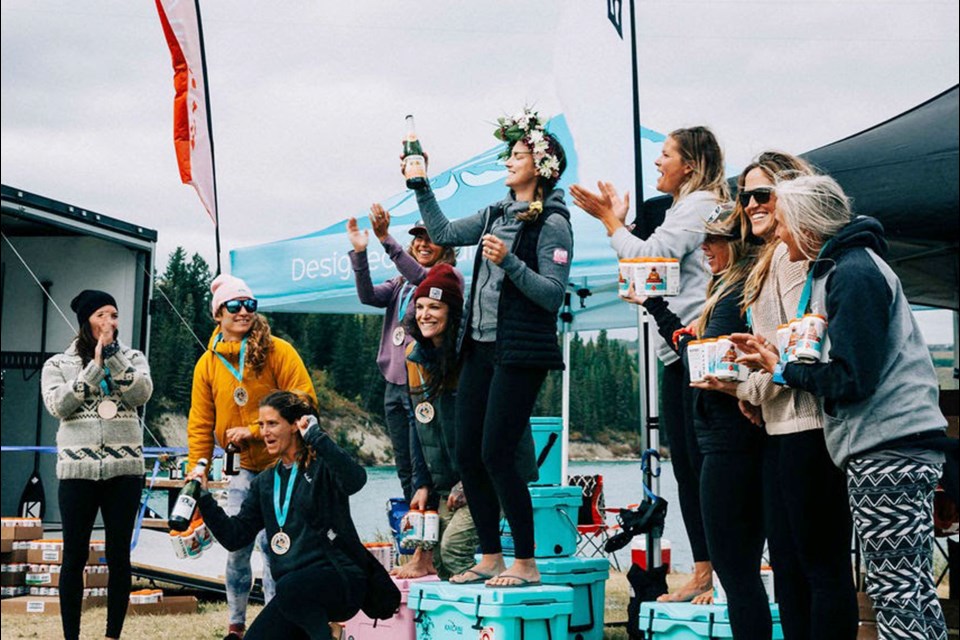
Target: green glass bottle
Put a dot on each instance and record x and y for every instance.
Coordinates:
(414, 164)
(182, 511)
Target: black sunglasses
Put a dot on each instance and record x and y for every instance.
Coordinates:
(761, 195)
(233, 306)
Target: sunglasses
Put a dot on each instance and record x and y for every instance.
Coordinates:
(234, 306)
(761, 195)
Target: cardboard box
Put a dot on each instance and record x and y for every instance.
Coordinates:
(21, 528)
(168, 605)
(6, 545)
(55, 556)
(12, 578)
(16, 556)
(43, 605)
(44, 579)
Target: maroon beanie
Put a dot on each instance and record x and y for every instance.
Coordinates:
(442, 283)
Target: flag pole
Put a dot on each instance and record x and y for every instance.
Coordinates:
(637, 154)
(213, 163)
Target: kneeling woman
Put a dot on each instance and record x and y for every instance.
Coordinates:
(316, 556)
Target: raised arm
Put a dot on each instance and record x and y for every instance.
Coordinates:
(131, 373)
(344, 470)
(63, 392)
(449, 233)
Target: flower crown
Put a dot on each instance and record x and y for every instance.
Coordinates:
(529, 127)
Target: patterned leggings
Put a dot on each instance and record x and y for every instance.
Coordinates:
(892, 506)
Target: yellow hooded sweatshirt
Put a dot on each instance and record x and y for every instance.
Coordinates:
(213, 410)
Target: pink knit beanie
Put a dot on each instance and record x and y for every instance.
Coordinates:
(226, 287)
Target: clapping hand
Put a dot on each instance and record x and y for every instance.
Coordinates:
(606, 206)
(379, 221)
(359, 239)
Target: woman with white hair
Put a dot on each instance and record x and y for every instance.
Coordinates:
(878, 390)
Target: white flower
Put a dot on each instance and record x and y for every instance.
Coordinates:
(549, 167)
(534, 137)
(541, 146)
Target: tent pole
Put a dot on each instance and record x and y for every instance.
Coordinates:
(649, 416)
(565, 407)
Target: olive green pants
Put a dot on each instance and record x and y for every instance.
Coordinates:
(458, 541)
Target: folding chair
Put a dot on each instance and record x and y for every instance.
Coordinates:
(592, 523)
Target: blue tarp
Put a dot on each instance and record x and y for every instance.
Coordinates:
(312, 273)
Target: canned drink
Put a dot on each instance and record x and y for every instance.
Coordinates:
(431, 527)
(809, 345)
(696, 352)
(179, 548)
(726, 367)
(657, 277)
(411, 528)
(792, 342)
(783, 340)
(191, 543)
(710, 355)
(625, 275)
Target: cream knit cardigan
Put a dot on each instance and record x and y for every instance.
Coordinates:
(785, 410)
(89, 447)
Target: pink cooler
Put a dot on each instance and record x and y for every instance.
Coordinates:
(399, 627)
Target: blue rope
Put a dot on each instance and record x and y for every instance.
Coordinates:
(646, 468)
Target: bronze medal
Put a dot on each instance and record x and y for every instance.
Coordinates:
(424, 412)
(280, 543)
(240, 396)
(107, 409)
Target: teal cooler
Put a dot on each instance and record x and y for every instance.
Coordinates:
(445, 611)
(588, 579)
(685, 621)
(546, 437)
(554, 522)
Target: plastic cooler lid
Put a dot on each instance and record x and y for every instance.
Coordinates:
(553, 495)
(574, 565)
(686, 612)
(536, 602)
(404, 584)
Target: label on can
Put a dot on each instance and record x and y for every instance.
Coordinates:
(809, 346)
(792, 342)
(726, 367)
(696, 352)
(431, 526)
(411, 529)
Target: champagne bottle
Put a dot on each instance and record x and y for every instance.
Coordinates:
(187, 500)
(414, 164)
(231, 464)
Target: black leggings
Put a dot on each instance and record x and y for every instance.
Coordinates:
(494, 403)
(677, 422)
(809, 529)
(118, 500)
(731, 495)
(307, 600)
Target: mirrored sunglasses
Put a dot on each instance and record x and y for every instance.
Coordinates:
(761, 195)
(233, 306)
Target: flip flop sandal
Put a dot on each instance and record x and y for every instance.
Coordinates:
(480, 577)
(523, 582)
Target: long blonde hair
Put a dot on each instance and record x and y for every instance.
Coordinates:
(774, 165)
(259, 343)
(700, 150)
(742, 256)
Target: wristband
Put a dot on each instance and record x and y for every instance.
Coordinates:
(111, 349)
(778, 375)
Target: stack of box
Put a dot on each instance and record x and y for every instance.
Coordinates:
(570, 601)
(15, 535)
(32, 566)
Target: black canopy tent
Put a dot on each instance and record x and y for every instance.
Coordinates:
(904, 172)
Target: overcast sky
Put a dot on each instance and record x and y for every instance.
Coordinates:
(308, 98)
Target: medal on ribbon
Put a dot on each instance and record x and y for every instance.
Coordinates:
(398, 335)
(424, 412)
(240, 396)
(107, 409)
(280, 542)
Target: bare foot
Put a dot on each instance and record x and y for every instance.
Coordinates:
(701, 581)
(490, 565)
(420, 565)
(522, 573)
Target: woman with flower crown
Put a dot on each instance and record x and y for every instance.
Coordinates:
(508, 338)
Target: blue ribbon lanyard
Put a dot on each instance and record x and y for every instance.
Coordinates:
(808, 285)
(281, 512)
(237, 373)
(404, 300)
(750, 319)
(106, 385)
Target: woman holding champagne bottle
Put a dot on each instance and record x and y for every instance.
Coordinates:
(508, 339)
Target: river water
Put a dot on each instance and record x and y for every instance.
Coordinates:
(622, 486)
